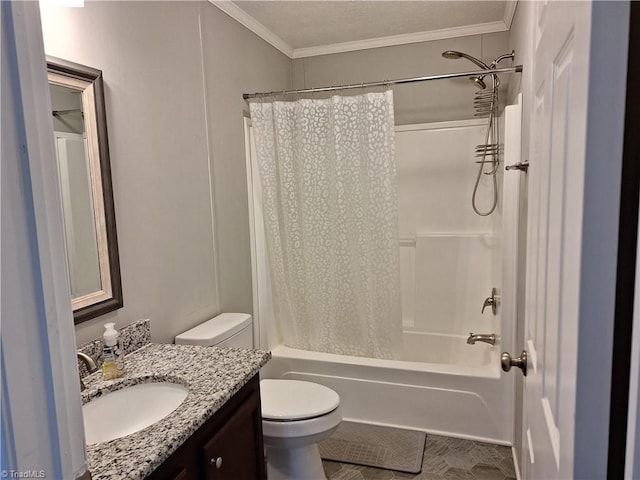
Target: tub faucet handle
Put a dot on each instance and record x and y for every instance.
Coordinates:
(491, 301)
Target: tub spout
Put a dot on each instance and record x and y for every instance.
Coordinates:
(489, 338)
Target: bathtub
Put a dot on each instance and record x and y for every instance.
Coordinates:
(442, 386)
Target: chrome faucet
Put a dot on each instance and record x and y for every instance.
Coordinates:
(90, 363)
(489, 338)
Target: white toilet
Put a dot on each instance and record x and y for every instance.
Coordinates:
(296, 415)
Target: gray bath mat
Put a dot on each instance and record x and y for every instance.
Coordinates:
(375, 446)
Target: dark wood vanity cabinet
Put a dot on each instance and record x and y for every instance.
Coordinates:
(227, 447)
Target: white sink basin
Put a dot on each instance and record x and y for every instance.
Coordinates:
(130, 409)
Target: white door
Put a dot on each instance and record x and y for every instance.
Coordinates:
(42, 433)
(557, 156)
(570, 264)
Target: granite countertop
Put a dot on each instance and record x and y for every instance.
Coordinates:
(212, 374)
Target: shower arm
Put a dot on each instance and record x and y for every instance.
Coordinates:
(510, 56)
(385, 83)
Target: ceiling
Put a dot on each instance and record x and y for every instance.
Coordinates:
(303, 28)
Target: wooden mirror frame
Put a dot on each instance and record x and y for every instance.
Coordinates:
(110, 297)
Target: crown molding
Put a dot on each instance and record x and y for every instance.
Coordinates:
(268, 36)
(442, 34)
(255, 26)
(509, 12)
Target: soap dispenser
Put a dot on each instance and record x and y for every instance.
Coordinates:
(112, 355)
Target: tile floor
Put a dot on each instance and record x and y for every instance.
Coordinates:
(444, 458)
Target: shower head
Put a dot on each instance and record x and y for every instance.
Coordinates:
(453, 54)
(478, 82)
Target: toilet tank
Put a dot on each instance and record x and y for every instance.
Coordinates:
(225, 330)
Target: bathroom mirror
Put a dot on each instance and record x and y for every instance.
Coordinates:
(82, 153)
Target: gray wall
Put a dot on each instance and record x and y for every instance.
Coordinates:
(235, 61)
(175, 138)
(439, 100)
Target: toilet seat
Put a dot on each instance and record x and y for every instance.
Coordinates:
(295, 400)
(301, 431)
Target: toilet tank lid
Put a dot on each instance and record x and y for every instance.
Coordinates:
(215, 330)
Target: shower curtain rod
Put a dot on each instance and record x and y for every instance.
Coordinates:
(475, 73)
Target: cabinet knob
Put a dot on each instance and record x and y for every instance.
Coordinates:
(217, 462)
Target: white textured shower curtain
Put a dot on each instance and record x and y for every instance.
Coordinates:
(330, 212)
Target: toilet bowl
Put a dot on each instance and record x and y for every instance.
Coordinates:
(296, 415)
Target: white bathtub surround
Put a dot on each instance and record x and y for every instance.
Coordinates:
(450, 257)
(454, 274)
(438, 383)
(464, 396)
(329, 200)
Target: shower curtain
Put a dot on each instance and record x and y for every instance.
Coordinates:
(330, 211)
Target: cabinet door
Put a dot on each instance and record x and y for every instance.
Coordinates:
(233, 452)
(177, 468)
(181, 475)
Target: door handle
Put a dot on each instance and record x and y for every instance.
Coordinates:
(521, 362)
